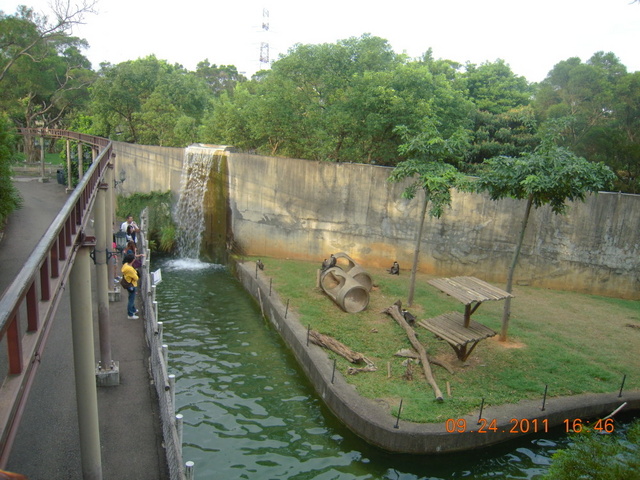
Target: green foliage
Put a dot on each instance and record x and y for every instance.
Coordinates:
(9, 196)
(599, 457)
(544, 351)
(550, 175)
(495, 89)
(602, 100)
(161, 226)
(149, 101)
(337, 102)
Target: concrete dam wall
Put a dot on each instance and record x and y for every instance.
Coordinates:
(291, 208)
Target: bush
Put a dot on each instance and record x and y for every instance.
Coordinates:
(599, 457)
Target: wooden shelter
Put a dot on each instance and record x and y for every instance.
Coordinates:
(458, 329)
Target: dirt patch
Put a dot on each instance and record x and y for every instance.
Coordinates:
(508, 344)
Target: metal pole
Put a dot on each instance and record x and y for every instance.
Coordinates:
(481, 408)
(179, 429)
(83, 360)
(172, 387)
(622, 386)
(544, 399)
(102, 276)
(189, 470)
(42, 177)
(397, 425)
(333, 373)
(160, 327)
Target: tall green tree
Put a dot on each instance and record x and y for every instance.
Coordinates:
(149, 101)
(9, 196)
(27, 35)
(601, 101)
(504, 123)
(223, 78)
(427, 153)
(551, 175)
(43, 74)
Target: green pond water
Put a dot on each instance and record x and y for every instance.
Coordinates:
(249, 412)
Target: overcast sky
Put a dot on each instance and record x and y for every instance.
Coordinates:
(530, 36)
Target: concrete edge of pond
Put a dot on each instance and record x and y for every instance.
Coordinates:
(372, 421)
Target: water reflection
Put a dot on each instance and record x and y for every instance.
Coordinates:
(250, 413)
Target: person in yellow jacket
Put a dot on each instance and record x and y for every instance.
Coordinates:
(130, 275)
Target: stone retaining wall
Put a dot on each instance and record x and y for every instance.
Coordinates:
(290, 208)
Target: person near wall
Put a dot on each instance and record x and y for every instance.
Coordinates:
(130, 275)
(130, 227)
(132, 249)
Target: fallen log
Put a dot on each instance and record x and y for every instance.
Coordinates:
(405, 352)
(394, 312)
(338, 347)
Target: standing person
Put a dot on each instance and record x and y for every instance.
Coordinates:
(130, 227)
(130, 275)
(132, 248)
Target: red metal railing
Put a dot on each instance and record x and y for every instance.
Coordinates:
(38, 288)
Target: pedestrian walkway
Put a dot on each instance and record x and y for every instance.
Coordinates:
(47, 445)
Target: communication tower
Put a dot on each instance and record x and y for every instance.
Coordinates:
(264, 45)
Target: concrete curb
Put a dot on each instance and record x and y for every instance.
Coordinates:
(373, 423)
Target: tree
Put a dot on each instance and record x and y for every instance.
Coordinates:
(505, 124)
(494, 88)
(149, 101)
(223, 78)
(9, 195)
(551, 175)
(601, 101)
(27, 35)
(427, 151)
(43, 74)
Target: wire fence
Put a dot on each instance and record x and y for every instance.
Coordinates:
(164, 383)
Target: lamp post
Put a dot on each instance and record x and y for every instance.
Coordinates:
(121, 241)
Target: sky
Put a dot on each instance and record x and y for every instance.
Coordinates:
(531, 37)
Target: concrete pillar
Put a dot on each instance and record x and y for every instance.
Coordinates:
(109, 179)
(108, 374)
(80, 161)
(84, 361)
(69, 179)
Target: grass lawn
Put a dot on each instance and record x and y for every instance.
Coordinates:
(572, 342)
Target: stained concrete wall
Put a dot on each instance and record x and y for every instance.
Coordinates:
(288, 208)
(148, 168)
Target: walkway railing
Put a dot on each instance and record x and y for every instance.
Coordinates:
(172, 423)
(30, 302)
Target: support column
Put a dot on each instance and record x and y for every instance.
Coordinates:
(109, 178)
(43, 178)
(80, 162)
(108, 371)
(83, 361)
(69, 179)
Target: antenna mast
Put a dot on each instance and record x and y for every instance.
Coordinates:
(264, 46)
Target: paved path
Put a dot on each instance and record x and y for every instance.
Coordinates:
(47, 446)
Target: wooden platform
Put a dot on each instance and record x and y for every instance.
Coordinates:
(468, 290)
(451, 328)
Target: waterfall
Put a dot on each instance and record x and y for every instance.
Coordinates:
(189, 211)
